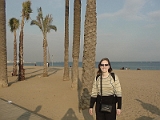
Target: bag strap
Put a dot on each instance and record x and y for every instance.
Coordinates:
(113, 76)
(101, 87)
(97, 77)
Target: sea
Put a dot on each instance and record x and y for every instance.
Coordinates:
(115, 65)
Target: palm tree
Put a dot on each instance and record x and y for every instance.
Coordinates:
(45, 25)
(89, 52)
(66, 42)
(3, 49)
(14, 25)
(76, 42)
(26, 10)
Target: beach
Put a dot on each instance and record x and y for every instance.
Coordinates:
(57, 101)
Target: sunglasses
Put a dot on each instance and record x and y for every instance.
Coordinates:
(104, 64)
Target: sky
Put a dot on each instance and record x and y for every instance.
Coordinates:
(127, 30)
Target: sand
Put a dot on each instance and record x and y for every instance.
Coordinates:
(57, 101)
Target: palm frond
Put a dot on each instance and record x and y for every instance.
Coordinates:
(53, 27)
(50, 19)
(26, 10)
(34, 22)
(13, 24)
(44, 24)
(40, 14)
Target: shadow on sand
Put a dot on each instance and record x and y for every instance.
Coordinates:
(26, 115)
(70, 115)
(151, 108)
(35, 73)
(85, 112)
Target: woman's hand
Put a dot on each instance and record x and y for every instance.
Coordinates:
(91, 111)
(118, 111)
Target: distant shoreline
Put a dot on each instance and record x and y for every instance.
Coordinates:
(115, 65)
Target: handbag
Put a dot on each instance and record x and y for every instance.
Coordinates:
(104, 107)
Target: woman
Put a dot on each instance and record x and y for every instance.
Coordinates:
(110, 88)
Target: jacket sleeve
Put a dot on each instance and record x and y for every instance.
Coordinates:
(93, 94)
(92, 101)
(119, 101)
(118, 92)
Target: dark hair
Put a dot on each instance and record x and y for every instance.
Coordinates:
(99, 72)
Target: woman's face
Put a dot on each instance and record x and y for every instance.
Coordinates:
(104, 66)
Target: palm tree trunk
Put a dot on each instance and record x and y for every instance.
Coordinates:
(15, 55)
(45, 73)
(66, 43)
(89, 52)
(3, 51)
(76, 42)
(21, 75)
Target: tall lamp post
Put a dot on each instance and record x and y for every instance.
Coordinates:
(52, 60)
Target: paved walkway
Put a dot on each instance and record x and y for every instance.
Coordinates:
(11, 111)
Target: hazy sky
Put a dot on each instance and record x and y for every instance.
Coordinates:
(127, 30)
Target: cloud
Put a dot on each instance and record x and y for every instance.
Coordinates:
(150, 26)
(130, 11)
(155, 15)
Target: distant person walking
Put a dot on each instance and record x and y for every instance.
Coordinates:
(47, 64)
